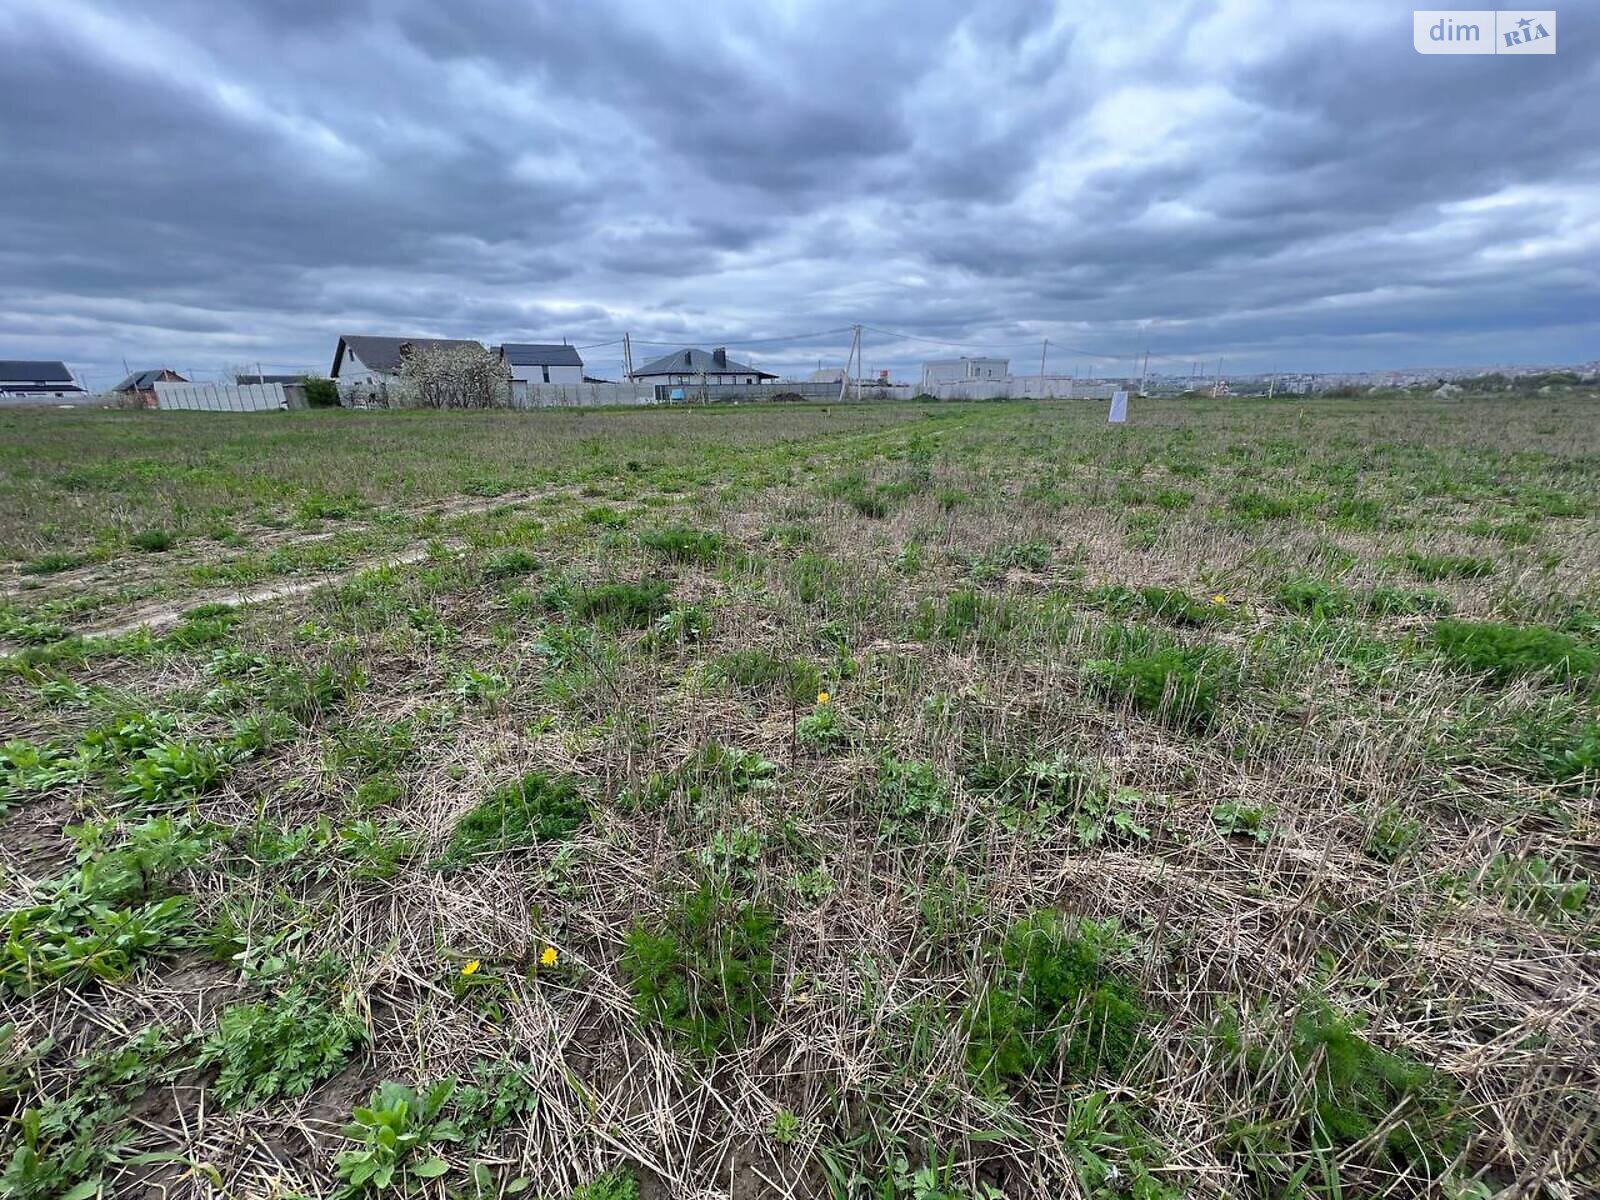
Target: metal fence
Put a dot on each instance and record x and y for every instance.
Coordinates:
(221, 397)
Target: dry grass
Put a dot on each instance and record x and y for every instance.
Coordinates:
(891, 916)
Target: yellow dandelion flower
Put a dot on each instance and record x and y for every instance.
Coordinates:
(823, 697)
(1219, 598)
(471, 968)
(550, 957)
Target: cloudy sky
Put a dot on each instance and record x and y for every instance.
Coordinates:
(199, 184)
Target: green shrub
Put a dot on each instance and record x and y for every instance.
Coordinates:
(705, 972)
(1449, 566)
(759, 672)
(281, 1047)
(1060, 997)
(320, 392)
(683, 544)
(536, 808)
(1505, 651)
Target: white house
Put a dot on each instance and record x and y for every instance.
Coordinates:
(43, 380)
(694, 367)
(954, 370)
(533, 362)
(362, 359)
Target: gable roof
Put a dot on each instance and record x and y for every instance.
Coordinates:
(690, 361)
(540, 354)
(144, 381)
(383, 353)
(18, 370)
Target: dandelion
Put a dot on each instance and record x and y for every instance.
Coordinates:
(550, 957)
(1219, 598)
(471, 968)
(823, 697)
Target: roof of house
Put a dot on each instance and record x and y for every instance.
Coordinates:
(34, 371)
(252, 377)
(383, 353)
(540, 354)
(144, 381)
(694, 362)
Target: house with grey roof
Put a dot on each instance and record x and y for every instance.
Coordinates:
(696, 367)
(542, 362)
(37, 379)
(374, 360)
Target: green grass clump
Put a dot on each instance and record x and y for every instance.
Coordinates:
(1168, 604)
(1433, 567)
(1355, 1085)
(759, 672)
(1315, 599)
(1506, 651)
(153, 541)
(854, 490)
(1179, 684)
(535, 808)
(1342, 1091)
(629, 604)
(965, 613)
(50, 564)
(512, 563)
(280, 1047)
(680, 543)
(705, 971)
(618, 1184)
(1059, 996)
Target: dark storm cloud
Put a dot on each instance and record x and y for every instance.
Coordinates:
(202, 185)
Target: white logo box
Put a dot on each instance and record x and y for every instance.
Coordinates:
(1484, 31)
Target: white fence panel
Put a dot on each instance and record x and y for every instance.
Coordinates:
(221, 397)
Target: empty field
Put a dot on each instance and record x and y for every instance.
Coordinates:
(922, 802)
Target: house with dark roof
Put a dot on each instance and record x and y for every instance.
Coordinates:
(141, 385)
(362, 359)
(43, 380)
(691, 366)
(541, 362)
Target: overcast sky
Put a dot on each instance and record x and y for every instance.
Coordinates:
(197, 184)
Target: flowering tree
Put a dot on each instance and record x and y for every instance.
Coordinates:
(454, 377)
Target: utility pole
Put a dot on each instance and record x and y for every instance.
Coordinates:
(1143, 371)
(858, 362)
(1042, 350)
(627, 354)
(844, 376)
(1216, 388)
(1272, 388)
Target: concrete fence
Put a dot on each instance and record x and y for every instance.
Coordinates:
(221, 397)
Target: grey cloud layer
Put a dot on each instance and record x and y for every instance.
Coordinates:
(199, 185)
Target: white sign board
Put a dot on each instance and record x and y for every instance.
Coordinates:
(1119, 408)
